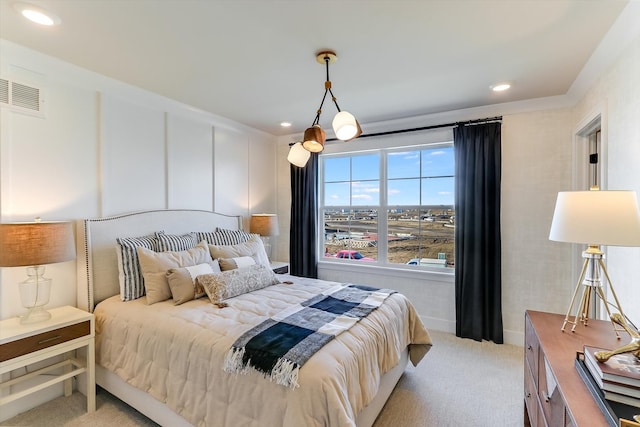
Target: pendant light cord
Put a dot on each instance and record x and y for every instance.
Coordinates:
(328, 83)
(327, 88)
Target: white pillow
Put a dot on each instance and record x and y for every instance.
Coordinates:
(253, 248)
(233, 263)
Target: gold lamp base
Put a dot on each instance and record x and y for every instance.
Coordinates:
(591, 282)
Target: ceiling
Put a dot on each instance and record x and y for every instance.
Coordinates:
(253, 61)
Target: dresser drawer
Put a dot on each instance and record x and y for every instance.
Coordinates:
(531, 348)
(531, 399)
(551, 400)
(41, 341)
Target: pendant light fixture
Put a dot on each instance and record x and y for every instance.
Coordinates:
(344, 124)
(298, 155)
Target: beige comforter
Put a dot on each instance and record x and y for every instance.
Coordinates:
(176, 354)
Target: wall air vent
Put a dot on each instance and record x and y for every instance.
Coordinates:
(20, 97)
(4, 91)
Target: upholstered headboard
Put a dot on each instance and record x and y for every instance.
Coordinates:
(97, 258)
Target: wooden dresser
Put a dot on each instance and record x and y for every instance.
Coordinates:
(554, 393)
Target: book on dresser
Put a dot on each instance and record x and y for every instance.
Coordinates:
(617, 414)
(622, 398)
(618, 374)
(618, 377)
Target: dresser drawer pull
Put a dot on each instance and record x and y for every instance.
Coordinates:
(57, 337)
(546, 397)
(529, 347)
(527, 394)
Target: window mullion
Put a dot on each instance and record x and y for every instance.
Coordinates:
(383, 229)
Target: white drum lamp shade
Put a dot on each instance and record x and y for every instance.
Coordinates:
(298, 155)
(345, 126)
(597, 218)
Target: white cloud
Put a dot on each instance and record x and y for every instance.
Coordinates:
(361, 196)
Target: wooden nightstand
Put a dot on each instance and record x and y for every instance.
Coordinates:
(280, 267)
(69, 329)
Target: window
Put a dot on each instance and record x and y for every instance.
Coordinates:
(405, 194)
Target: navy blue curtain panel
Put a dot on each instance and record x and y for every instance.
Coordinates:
(478, 279)
(304, 212)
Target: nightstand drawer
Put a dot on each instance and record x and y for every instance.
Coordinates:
(281, 270)
(34, 343)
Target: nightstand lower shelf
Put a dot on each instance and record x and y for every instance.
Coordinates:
(69, 331)
(78, 367)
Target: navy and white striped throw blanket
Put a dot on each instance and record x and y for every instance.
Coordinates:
(279, 346)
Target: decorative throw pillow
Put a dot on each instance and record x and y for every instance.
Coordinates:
(253, 248)
(182, 281)
(154, 267)
(174, 242)
(129, 273)
(228, 284)
(233, 263)
(223, 236)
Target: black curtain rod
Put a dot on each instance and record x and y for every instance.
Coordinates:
(446, 125)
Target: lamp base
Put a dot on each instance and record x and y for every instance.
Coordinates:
(266, 241)
(35, 315)
(34, 293)
(591, 282)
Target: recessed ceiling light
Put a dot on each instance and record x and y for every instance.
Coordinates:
(37, 14)
(285, 124)
(500, 87)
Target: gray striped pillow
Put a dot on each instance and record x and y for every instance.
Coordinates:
(224, 237)
(130, 275)
(174, 242)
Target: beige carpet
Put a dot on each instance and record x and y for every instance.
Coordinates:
(459, 383)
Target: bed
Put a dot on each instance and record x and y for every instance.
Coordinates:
(167, 360)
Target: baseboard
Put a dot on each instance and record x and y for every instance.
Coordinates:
(439, 324)
(449, 326)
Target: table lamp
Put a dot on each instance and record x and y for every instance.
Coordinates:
(595, 218)
(34, 244)
(266, 225)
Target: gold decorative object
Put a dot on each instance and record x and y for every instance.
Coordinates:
(633, 346)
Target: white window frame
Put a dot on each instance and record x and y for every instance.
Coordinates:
(411, 142)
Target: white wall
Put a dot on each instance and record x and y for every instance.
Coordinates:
(104, 148)
(617, 96)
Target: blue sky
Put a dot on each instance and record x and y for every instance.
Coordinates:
(407, 170)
